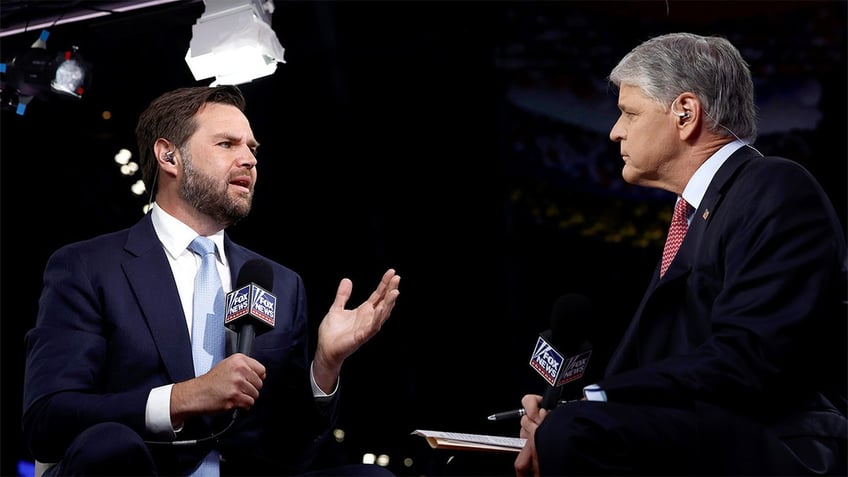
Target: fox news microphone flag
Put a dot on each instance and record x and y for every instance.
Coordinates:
(251, 307)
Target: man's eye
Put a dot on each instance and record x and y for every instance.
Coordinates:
(225, 144)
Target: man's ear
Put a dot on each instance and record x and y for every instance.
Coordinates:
(686, 107)
(164, 151)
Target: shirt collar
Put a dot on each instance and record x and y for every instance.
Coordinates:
(176, 236)
(697, 186)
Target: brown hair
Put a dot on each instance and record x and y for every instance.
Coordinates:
(172, 116)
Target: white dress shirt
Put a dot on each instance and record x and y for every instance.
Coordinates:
(175, 237)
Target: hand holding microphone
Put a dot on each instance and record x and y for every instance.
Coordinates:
(570, 327)
(251, 307)
(249, 310)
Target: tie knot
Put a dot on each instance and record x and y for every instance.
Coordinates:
(202, 246)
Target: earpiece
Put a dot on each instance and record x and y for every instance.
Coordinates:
(169, 157)
(683, 116)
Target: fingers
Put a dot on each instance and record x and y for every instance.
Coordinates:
(388, 283)
(343, 330)
(343, 293)
(385, 296)
(254, 380)
(531, 403)
(387, 289)
(233, 383)
(522, 463)
(382, 299)
(527, 461)
(532, 417)
(237, 380)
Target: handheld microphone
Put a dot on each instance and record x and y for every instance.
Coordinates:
(251, 307)
(570, 323)
(250, 310)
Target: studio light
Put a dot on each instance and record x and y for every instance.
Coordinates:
(233, 42)
(37, 72)
(72, 74)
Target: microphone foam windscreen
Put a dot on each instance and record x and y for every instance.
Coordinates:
(571, 321)
(256, 271)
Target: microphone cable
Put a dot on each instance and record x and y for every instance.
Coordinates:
(193, 442)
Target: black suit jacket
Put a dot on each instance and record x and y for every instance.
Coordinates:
(111, 327)
(749, 320)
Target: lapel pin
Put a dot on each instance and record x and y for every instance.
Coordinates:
(706, 214)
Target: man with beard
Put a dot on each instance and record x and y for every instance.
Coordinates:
(110, 384)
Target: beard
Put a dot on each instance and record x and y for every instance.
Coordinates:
(209, 196)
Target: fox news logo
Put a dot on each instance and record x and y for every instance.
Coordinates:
(251, 299)
(574, 367)
(547, 361)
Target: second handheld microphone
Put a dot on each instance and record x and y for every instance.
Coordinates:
(570, 324)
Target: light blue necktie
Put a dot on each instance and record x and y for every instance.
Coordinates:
(207, 327)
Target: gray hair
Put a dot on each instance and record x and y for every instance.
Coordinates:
(710, 67)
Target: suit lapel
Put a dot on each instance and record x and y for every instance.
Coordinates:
(709, 206)
(159, 299)
(235, 257)
(152, 282)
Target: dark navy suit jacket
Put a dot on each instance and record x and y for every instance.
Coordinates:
(750, 318)
(111, 327)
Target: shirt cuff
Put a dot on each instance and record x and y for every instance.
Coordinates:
(593, 392)
(319, 393)
(157, 413)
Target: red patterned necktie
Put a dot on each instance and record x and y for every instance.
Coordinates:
(676, 232)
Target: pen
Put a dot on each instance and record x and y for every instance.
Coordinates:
(514, 414)
(501, 416)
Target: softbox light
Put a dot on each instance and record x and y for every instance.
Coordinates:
(233, 42)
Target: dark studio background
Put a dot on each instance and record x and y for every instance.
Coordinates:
(463, 143)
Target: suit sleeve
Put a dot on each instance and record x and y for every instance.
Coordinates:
(66, 361)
